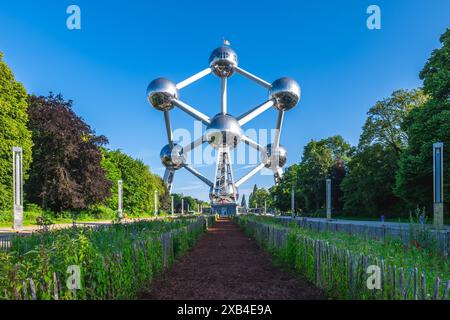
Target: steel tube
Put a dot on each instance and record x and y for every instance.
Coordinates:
(192, 111)
(252, 77)
(253, 113)
(193, 78)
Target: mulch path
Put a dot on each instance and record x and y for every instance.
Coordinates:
(226, 264)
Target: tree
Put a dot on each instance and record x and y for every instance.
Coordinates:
(259, 198)
(139, 184)
(244, 202)
(321, 159)
(281, 192)
(13, 131)
(424, 126)
(368, 186)
(65, 173)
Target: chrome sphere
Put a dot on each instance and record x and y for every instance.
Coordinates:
(286, 92)
(223, 131)
(160, 94)
(172, 158)
(223, 60)
(274, 158)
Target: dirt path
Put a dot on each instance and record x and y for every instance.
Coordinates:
(226, 264)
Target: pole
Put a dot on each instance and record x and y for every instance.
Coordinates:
(18, 187)
(293, 202)
(120, 199)
(438, 184)
(172, 207)
(182, 206)
(328, 187)
(265, 206)
(156, 202)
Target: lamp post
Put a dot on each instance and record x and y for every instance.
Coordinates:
(120, 199)
(18, 187)
(156, 202)
(182, 206)
(328, 187)
(438, 184)
(293, 202)
(172, 206)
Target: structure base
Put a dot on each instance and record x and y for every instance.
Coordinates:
(224, 210)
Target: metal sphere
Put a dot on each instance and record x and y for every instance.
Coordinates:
(223, 60)
(160, 94)
(172, 158)
(223, 131)
(286, 92)
(275, 158)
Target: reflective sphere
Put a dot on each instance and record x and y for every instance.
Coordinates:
(223, 131)
(286, 92)
(160, 94)
(172, 158)
(223, 60)
(226, 196)
(272, 155)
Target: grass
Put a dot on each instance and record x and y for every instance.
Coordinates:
(392, 252)
(95, 214)
(114, 261)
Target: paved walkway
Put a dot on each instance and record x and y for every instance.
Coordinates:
(226, 264)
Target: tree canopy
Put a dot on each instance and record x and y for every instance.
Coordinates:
(424, 126)
(65, 173)
(13, 131)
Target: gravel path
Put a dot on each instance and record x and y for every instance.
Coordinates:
(226, 264)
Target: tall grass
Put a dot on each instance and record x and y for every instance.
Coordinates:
(115, 260)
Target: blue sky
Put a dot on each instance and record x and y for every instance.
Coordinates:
(342, 67)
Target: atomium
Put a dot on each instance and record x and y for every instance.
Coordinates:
(223, 131)
(286, 93)
(274, 157)
(161, 92)
(223, 61)
(172, 157)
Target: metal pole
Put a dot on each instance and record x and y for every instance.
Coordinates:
(293, 202)
(156, 201)
(252, 114)
(120, 199)
(438, 184)
(182, 206)
(18, 187)
(224, 95)
(265, 206)
(172, 207)
(328, 188)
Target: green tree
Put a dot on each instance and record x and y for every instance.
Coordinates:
(368, 186)
(139, 184)
(424, 126)
(321, 159)
(260, 197)
(244, 202)
(65, 173)
(13, 131)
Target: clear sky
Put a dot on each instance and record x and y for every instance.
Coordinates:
(341, 65)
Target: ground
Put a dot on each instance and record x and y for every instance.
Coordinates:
(226, 264)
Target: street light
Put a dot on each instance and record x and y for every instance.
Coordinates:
(156, 202)
(438, 184)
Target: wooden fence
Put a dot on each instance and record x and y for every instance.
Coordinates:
(423, 234)
(343, 274)
(32, 289)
